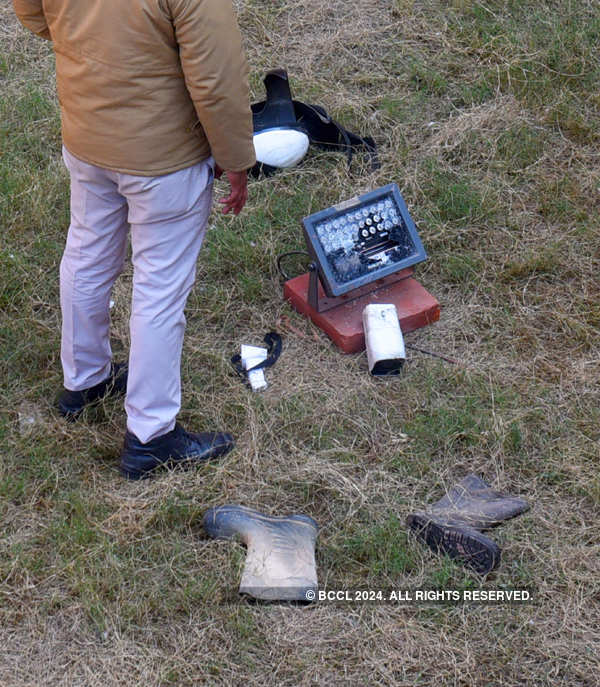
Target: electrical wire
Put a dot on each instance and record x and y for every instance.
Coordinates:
(287, 255)
(435, 355)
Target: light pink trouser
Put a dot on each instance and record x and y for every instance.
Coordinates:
(167, 215)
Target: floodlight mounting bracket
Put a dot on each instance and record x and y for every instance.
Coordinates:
(324, 303)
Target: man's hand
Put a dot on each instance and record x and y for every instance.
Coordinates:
(239, 191)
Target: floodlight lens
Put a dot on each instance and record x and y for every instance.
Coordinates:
(374, 235)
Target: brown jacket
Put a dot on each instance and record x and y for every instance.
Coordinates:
(148, 86)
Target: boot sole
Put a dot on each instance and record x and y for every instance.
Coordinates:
(469, 547)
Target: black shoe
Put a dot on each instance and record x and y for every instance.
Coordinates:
(465, 544)
(177, 447)
(71, 403)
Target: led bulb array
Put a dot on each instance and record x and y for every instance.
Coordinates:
(362, 237)
(373, 221)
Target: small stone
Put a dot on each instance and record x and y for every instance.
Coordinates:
(29, 416)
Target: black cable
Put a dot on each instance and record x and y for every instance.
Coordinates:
(435, 355)
(286, 255)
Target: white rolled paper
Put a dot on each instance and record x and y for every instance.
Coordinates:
(251, 356)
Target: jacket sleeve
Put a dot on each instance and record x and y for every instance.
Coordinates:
(31, 15)
(216, 76)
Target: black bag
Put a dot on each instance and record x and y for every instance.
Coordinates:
(279, 111)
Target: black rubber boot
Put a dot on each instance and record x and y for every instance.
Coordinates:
(453, 525)
(473, 502)
(176, 448)
(71, 403)
(460, 542)
(280, 563)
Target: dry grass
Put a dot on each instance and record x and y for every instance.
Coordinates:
(487, 116)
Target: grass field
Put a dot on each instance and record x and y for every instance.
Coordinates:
(488, 117)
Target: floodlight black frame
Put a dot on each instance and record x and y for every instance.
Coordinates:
(331, 285)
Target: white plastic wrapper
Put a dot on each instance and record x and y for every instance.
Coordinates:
(280, 147)
(383, 339)
(251, 356)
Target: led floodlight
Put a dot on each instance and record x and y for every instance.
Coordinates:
(362, 254)
(362, 240)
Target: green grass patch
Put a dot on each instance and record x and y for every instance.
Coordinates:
(451, 197)
(381, 551)
(536, 52)
(520, 146)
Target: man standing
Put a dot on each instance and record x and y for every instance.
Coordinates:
(154, 102)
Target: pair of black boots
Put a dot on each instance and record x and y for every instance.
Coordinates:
(139, 460)
(454, 525)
